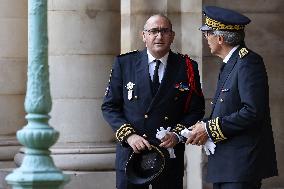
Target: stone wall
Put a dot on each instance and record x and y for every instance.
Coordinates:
(13, 71)
(84, 37)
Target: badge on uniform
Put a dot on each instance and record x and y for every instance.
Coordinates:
(225, 90)
(129, 88)
(182, 86)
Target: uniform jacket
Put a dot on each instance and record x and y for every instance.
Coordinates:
(240, 122)
(145, 113)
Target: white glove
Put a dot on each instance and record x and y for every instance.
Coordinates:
(160, 134)
(186, 133)
(209, 146)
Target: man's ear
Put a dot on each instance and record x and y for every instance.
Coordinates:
(143, 36)
(173, 35)
(220, 39)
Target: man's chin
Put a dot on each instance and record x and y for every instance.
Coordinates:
(160, 48)
(160, 52)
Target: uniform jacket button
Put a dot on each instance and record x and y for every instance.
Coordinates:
(146, 116)
(221, 100)
(211, 103)
(166, 118)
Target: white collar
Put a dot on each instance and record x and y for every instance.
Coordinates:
(151, 58)
(226, 59)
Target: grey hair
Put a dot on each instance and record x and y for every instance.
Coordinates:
(231, 38)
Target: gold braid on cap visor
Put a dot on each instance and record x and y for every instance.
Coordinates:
(216, 25)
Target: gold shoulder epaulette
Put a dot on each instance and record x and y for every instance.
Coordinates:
(181, 54)
(130, 52)
(243, 52)
(184, 55)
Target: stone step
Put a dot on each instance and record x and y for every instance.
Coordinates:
(91, 180)
(85, 180)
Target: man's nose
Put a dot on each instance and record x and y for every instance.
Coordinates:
(159, 35)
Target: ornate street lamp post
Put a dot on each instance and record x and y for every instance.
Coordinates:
(37, 170)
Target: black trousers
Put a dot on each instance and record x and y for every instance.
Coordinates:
(172, 178)
(238, 185)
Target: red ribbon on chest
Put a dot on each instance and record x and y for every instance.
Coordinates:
(191, 81)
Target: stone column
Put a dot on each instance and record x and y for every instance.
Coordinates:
(134, 14)
(13, 63)
(265, 37)
(84, 38)
(187, 18)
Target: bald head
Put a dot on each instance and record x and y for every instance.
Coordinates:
(158, 35)
(154, 17)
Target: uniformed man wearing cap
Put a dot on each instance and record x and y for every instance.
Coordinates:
(149, 89)
(239, 123)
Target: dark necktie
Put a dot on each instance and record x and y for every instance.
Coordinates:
(221, 69)
(222, 66)
(156, 82)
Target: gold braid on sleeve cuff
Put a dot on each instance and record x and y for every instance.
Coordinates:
(124, 132)
(178, 129)
(214, 130)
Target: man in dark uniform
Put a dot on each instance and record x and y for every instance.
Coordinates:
(240, 123)
(150, 89)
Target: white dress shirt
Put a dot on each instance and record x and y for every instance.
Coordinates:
(152, 65)
(226, 59)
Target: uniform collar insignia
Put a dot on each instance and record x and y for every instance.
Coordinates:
(243, 52)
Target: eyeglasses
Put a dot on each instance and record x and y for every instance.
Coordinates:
(156, 31)
(206, 34)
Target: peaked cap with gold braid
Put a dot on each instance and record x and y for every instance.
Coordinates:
(217, 18)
